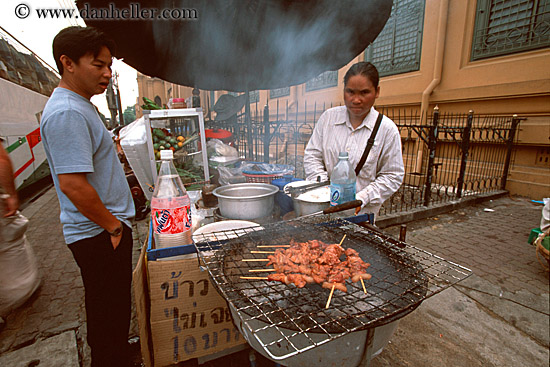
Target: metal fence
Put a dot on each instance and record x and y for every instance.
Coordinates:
(446, 155)
(450, 156)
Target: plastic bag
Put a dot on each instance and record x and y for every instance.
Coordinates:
(545, 220)
(216, 147)
(133, 139)
(260, 168)
(230, 175)
(133, 133)
(197, 215)
(234, 175)
(19, 277)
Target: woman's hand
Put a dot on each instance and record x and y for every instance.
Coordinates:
(11, 205)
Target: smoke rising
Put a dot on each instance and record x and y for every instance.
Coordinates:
(241, 45)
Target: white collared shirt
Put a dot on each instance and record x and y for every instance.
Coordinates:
(382, 173)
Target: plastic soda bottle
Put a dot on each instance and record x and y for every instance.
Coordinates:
(342, 181)
(170, 206)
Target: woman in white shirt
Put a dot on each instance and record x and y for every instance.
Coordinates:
(347, 129)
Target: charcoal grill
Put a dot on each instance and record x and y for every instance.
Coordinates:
(283, 321)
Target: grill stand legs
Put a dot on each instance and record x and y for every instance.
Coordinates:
(367, 351)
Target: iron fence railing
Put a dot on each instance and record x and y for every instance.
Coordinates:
(447, 156)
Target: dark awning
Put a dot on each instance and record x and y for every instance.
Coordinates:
(241, 45)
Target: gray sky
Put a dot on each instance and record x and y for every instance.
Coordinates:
(37, 34)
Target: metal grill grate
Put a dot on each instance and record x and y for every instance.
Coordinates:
(286, 320)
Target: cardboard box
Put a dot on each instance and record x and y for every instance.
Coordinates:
(180, 313)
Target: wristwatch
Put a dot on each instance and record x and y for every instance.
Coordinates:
(116, 232)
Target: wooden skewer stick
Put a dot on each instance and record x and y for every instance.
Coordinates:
(260, 246)
(260, 270)
(255, 278)
(330, 296)
(262, 252)
(255, 259)
(364, 289)
(343, 238)
(333, 285)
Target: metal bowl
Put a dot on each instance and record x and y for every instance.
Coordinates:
(246, 201)
(310, 202)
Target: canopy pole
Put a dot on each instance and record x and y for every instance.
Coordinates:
(248, 121)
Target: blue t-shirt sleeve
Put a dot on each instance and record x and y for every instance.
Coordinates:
(69, 141)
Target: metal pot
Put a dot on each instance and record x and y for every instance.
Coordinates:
(246, 200)
(310, 202)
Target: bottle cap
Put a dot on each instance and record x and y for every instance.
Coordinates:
(166, 154)
(343, 155)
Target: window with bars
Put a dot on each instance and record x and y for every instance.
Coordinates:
(504, 27)
(254, 95)
(328, 79)
(397, 48)
(279, 92)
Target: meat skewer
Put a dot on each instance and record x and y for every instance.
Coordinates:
(255, 259)
(266, 246)
(260, 270)
(363, 284)
(342, 241)
(336, 282)
(330, 296)
(314, 261)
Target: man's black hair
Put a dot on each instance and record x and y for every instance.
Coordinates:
(76, 42)
(366, 69)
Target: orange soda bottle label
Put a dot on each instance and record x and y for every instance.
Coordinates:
(171, 221)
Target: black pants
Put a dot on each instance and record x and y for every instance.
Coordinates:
(107, 276)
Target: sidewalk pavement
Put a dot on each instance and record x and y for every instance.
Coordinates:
(497, 317)
(57, 307)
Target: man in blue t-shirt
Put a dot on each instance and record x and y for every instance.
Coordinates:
(95, 200)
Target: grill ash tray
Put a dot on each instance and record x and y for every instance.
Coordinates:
(287, 320)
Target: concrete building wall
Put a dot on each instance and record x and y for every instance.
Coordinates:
(155, 87)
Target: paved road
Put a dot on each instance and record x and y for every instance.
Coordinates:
(507, 296)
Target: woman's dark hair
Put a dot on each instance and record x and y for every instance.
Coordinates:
(76, 42)
(366, 69)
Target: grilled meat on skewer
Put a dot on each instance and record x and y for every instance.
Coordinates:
(297, 279)
(339, 286)
(317, 262)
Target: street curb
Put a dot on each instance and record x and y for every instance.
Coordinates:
(424, 212)
(39, 202)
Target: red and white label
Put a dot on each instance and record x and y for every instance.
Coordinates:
(171, 221)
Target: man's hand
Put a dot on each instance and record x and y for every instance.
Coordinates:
(84, 197)
(115, 241)
(116, 235)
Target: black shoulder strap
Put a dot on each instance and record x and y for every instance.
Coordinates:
(370, 143)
